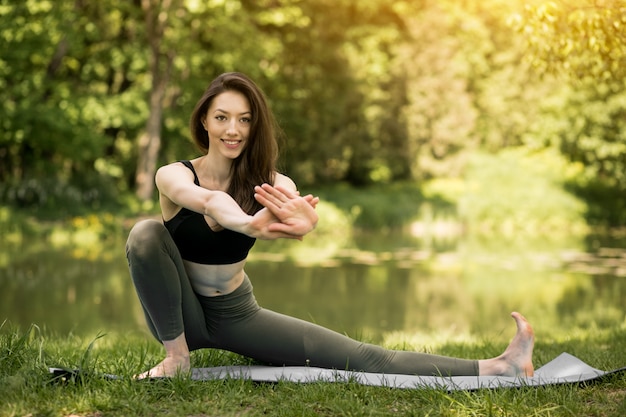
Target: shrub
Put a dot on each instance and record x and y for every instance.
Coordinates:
(517, 191)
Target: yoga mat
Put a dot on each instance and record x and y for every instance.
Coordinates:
(564, 369)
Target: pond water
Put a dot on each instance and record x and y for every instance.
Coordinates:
(370, 286)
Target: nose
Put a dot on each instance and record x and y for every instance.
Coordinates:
(231, 129)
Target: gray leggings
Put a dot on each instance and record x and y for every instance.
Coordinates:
(235, 322)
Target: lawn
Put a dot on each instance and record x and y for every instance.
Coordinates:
(26, 389)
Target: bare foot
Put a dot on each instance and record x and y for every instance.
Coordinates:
(169, 367)
(517, 359)
(176, 360)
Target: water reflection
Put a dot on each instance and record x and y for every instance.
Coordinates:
(65, 290)
(371, 286)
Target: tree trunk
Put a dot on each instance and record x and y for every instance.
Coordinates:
(149, 143)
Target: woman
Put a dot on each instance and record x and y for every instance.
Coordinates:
(189, 270)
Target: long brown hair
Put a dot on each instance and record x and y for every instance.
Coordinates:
(257, 163)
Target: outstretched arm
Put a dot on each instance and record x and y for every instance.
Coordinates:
(176, 189)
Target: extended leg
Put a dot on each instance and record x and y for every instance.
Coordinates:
(282, 340)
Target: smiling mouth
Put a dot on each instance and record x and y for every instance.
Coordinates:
(231, 142)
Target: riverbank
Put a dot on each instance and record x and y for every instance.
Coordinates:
(26, 390)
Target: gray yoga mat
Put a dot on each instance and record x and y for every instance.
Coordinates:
(565, 369)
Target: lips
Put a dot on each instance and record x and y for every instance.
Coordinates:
(231, 143)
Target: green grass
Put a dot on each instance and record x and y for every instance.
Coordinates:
(26, 389)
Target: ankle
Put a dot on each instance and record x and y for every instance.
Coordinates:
(495, 367)
(177, 348)
(180, 357)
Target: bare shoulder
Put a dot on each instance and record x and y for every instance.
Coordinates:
(173, 167)
(174, 181)
(284, 181)
(172, 173)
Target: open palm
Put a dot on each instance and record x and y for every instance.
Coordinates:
(296, 215)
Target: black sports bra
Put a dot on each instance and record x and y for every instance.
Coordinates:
(197, 242)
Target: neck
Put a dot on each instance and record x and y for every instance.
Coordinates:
(215, 171)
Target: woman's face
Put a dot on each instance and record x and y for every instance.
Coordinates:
(227, 123)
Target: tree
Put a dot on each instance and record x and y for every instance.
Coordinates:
(584, 39)
(584, 47)
(329, 82)
(47, 133)
(440, 113)
(312, 91)
(157, 14)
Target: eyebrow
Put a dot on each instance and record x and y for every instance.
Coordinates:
(224, 111)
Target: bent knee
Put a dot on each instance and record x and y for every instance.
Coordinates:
(144, 235)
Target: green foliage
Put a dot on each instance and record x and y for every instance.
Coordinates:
(584, 39)
(18, 350)
(584, 46)
(377, 206)
(606, 203)
(63, 96)
(373, 93)
(515, 192)
(51, 197)
(587, 125)
(440, 115)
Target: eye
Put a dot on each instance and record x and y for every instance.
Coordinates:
(220, 117)
(246, 120)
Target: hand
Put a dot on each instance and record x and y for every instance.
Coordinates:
(261, 226)
(296, 214)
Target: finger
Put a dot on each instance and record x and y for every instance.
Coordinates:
(277, 235)
(284, 235)
(270, 205)
(279, 211)
(274, 194)
(290, 194)
(268, 198)
(311, 200)
(284, 228)
(283, 193)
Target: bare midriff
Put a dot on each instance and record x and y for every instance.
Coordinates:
(214, 280)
